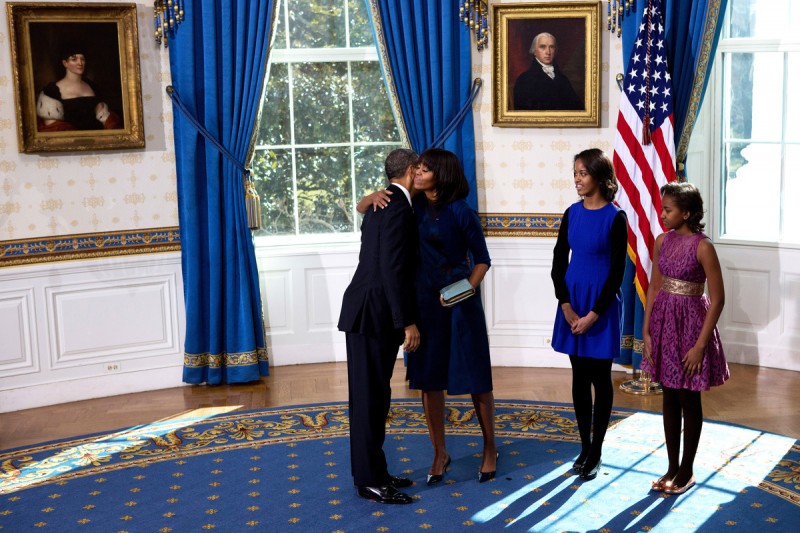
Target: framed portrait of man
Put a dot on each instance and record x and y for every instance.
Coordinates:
(76, 73)
(546, 64)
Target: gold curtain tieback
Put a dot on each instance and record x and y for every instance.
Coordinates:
(684, 288)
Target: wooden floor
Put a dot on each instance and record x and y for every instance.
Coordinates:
(757, 397)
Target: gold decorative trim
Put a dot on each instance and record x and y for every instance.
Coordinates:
(88, 246)
(520, 224)
(583, 16)
(219, 360)
(703, 62)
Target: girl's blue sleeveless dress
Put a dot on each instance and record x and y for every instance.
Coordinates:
(589, 235)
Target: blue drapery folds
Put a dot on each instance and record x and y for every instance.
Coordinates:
(424, 50)
(692, 31)
(218, 60)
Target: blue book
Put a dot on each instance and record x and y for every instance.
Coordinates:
(455, 292)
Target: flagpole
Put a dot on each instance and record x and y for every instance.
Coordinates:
(644, 152)
(642, 385)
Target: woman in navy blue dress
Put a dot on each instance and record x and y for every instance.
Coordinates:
(587, 284)
(454, 347)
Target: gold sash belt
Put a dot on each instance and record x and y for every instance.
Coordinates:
(684, 288)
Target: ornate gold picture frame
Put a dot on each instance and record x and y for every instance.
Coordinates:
(76, 76)
(546, 65)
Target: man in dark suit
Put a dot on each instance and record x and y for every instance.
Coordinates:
(378, 314)
(543, 87)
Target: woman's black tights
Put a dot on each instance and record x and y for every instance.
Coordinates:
(588, 372)
(685, 404)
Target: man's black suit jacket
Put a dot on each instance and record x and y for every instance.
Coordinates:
(380, 299)
(535, 90)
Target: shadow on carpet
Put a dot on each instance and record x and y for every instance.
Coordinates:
(288, 469)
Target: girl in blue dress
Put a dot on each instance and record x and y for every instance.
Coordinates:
(587, 283)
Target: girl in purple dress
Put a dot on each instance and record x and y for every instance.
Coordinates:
(682, 349)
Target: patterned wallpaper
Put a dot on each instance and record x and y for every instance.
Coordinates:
(524, 174)
(103, 192)
(528, 171)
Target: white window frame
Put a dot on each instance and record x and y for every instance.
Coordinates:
(715, 106)
(319, 55)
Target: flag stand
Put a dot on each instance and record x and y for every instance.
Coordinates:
(642, 385)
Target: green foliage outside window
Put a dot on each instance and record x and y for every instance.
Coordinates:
(326, 124)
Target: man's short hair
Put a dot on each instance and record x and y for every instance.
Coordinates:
(539, 36)
(398, 162)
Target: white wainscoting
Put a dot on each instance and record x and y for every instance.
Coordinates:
(89, 329)
(760, 324)
(303, 286)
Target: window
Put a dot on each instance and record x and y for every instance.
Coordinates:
(760, 141)
(326, 123)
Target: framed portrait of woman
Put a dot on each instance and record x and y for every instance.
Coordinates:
(546, 64)
(76, 76)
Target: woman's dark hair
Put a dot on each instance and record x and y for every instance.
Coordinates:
(451, 183)
(71, 48)
(688, 199)
(601, 169)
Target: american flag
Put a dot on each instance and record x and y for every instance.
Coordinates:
(644, 148)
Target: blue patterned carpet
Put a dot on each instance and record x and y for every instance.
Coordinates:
(288, 469)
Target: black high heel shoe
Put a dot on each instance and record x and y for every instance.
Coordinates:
(486, 476)
(433, 479)
(577, 466)
(588, 474)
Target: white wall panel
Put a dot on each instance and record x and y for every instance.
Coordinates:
(276, 295)
(17, 327)
(759, 325)
(118, 317)
(324, 290)
(790, 311)
(87, 329)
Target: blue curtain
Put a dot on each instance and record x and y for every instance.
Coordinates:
(425, 55)
(692, 30)
(218, 59)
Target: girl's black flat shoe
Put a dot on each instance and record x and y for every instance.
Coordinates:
(588, 474)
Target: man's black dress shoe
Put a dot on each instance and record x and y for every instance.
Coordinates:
(588, 474)
(387, 494)
(400, 482)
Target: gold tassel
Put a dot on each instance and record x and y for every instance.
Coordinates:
(252, 205)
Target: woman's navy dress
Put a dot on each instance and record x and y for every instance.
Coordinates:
(454, 347)
(597, 241)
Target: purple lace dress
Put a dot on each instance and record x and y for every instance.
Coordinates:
(676, 321)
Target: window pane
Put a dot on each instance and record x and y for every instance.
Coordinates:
(272, 173)
(752, 191)
(370, 175)
(770, 19)
(280, 28)
(360, 26)
(316, 24)
(372, 116)
(791, 188)
(324, 195)
(755, 96)
(321, 103)
(792, 105)
(275, 125)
